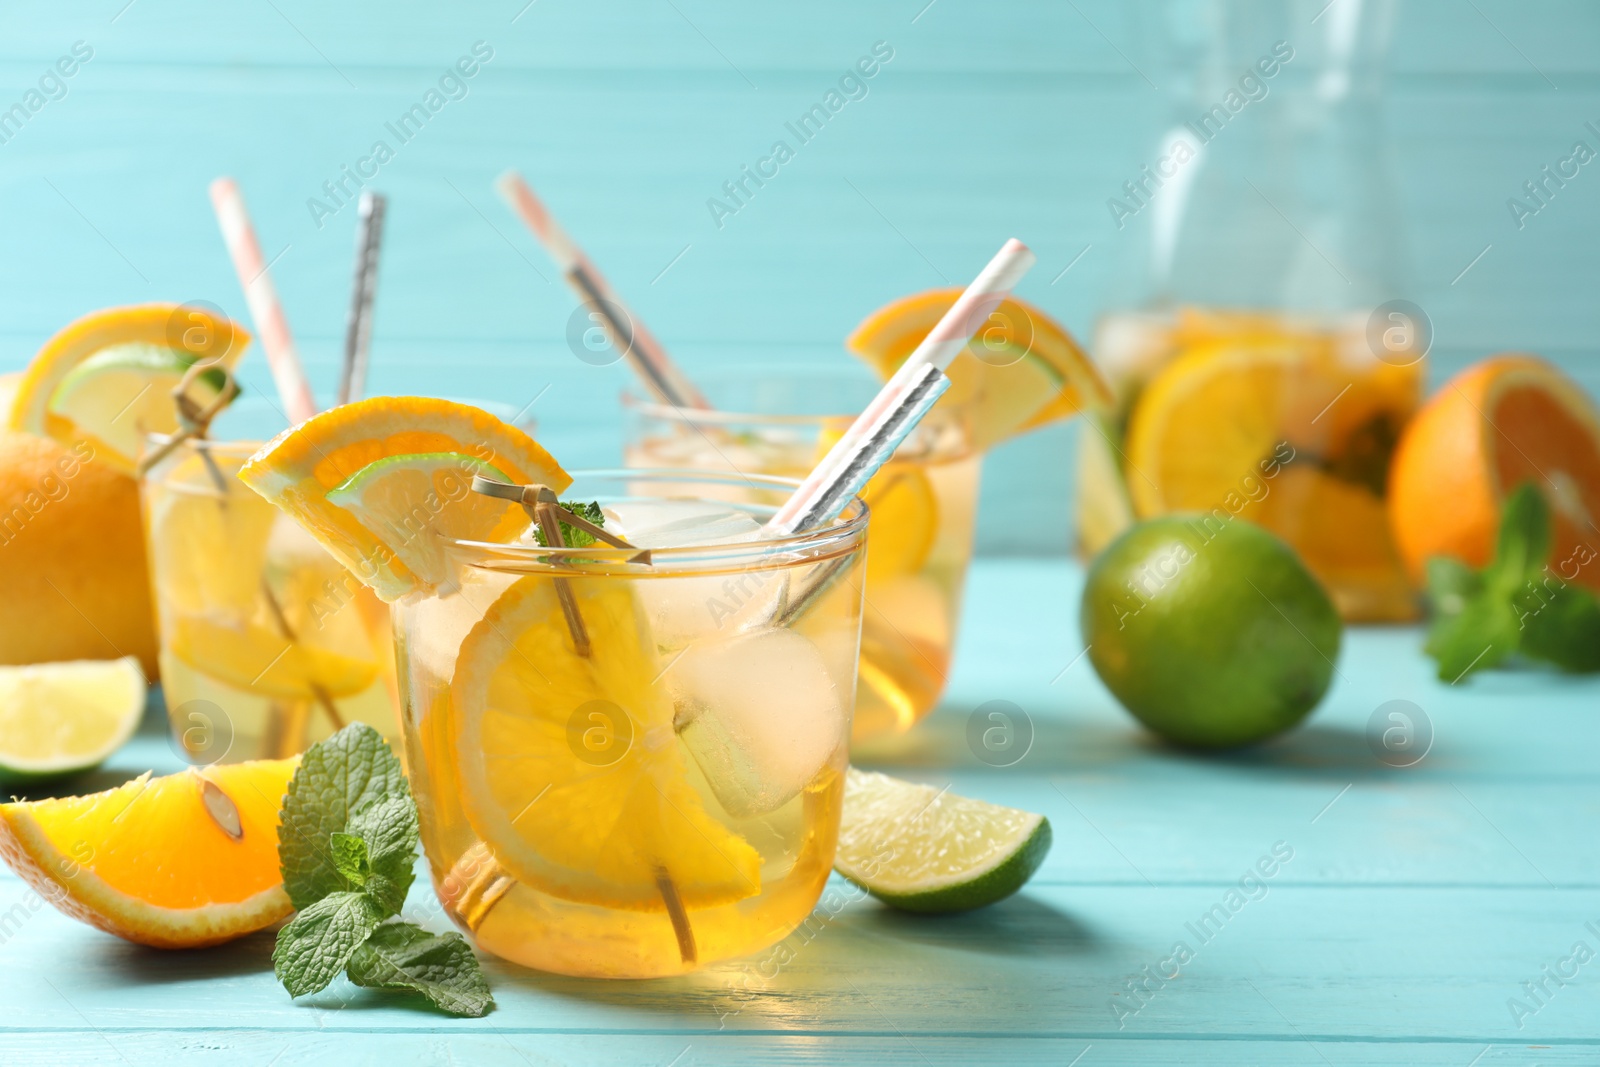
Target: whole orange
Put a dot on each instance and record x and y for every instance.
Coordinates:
(72, 564)
(1501, 422)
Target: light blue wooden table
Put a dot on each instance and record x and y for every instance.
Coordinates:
(1416, 903)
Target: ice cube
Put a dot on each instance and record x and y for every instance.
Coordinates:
(684, 608)
(679, 523)
(760, 714)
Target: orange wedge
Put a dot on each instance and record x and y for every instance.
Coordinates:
(297, 470)
(1021, 371)
(177, 862)
(598, 834)
(108, 377)
(1504, 421)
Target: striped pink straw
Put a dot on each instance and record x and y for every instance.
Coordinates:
(644, 353)
(904, 399)
(265, 309)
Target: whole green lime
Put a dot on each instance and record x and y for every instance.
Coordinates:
(1212, 633)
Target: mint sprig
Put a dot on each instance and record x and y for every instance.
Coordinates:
(347, 846)
(573, 535)
(1517, 605)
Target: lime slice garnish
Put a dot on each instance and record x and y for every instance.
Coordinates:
(414, 503)
(919, 848)
(60, 718)
(124, 392)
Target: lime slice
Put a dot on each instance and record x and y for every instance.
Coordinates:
(60, 718)
(124, 392)
(918, 848)
(415, 502)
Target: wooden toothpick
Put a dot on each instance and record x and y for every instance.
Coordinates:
(544, 508)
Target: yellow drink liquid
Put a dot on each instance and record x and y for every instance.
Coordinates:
(665, 793)
(267, 644)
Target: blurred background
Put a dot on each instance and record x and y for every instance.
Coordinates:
(986, 121)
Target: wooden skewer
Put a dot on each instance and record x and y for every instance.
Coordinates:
(550, 524)
(286, 631)
(678, 914)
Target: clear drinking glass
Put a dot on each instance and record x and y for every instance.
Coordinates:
(615, 777)
(923, 504)
(267, 643)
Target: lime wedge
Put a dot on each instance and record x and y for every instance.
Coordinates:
(60, 718)
(415, 502)
(124, 392)
(923, 849)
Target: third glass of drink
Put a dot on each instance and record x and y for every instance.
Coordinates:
(923, 503)
(267, 643)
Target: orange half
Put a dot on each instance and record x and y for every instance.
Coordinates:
(1501, 422)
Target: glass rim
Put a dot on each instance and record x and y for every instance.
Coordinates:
(844, 534)
(660, 409)
(634, 399)
(230, 447)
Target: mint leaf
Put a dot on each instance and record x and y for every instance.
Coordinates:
(439, 966)
(388, 830)
(1452, 585)
(1515, 604)
(317, 943)
(1480, 636)
(574, 537)
(1524, 543)
(336, 778)
(350, 857)
(1565, 631)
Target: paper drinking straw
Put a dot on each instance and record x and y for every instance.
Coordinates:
(902, 401)
(644, 353)
(363, 289)
(872, 450)
(262, 299)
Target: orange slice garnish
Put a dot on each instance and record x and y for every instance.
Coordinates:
(297, 470)
(1021, 370)
(108, 377)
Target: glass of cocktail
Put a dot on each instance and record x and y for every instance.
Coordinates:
(614, 778)
(267, 643)
(923, 504)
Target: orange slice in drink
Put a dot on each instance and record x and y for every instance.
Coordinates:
(904, 520)
(570, 769)
(1269, 430)
(176, 862)
(202, 542)
(297, 470)
(108, 377)
(258, 658)
(904, 511)
(1504, 421)
(1021, 371)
